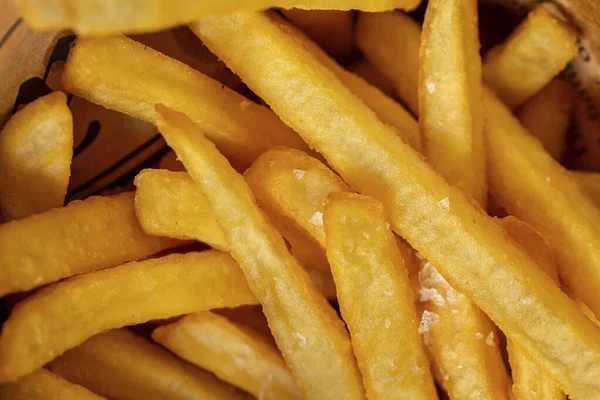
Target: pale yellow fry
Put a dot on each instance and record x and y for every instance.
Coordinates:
(332, 30)
(468, 248)
(169, 204)
(386, 108)
(44, 385)
(121, 365)
(376, 33)
(589, 182)
(89, 235)
(376, 299)
(124, 75)
(310, 335)
(233, 353)
(547, 115)
(546, 196)
(65, 314)
(99, 17)
(36, 147)
(529, 381)
(372, 75)
(533, 54)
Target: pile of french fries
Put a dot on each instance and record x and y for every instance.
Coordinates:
(396, 228)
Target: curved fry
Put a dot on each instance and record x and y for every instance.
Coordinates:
(376, 299)
(85, 236)
(44, 385)
(121, 365)
(468, 248)
(65, 314)
(305, 327)
(36, 147)
(236, 355)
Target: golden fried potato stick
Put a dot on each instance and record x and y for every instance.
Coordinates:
(65, 314)
(44, 385)
(375, 34)
(467, 246)
(99, 17)
(376, 299)
(589, 182)
(533, 54)
(529, 381)
(547, 115)
(122, 365)
(89, 235)
(332, 30)
(121, 74)
(372, 75)
(235, 354)
(169, 204)
(312, 338)
(36, 147)
(546, 196)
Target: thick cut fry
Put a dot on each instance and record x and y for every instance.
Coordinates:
(386, 108)
(124, 75)
(451, 114)
(36, 147)
(545, 195)
(529, 381)
(589, 182)
(310, 335)
(169, 204)
(99, 17)
(330, 29)
(547, 115)
(67, 313)
(89, 235)
(376, 299)
(44, 385)
(468, 248)
(372, 75)
(235, 354)
(531, 56)
(375, 34)
(121, 365)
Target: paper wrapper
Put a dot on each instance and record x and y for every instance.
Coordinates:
(110, 148)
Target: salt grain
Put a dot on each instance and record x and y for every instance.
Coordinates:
(428, 319)
(301, 339)
(444, 203)
(479, 336)
(299, 173)
(317, 219)
(489, 340)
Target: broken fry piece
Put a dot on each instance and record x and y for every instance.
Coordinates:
(533, 54)
(235, 354)
(65, 314)
(307, 330)
(467, 247)
(36, 147)
(122, 365)
(121, 74)
(376, 299)
(44, 385)
(85, 236)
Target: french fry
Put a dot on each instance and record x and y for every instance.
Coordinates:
(533, 54)
(375, 34)
(121, 365)
(529, 381)
(589, 182)
(235, 354)
(468, 248)
(330, 29)
(97, 17)
(305, 327)
(372, 75)
(36, 147)
(169, 204)
(452, 118)
(67, 313)
(121, 74)
(44, 385)
(85, 236)
(376, 299)
(547, 115)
